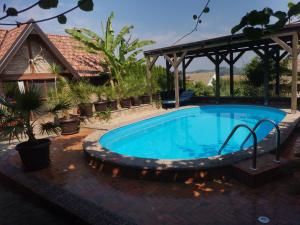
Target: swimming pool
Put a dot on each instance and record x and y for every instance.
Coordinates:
(191, 133)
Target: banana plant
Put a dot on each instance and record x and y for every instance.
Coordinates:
(119, 50)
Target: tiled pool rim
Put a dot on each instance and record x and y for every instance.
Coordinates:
(94, 150)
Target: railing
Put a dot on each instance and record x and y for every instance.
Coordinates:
(277, 157)
(254, 155)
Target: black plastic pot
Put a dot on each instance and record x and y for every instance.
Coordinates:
(156, 96)
(145, 99)
(125, 103)
(86, 109)
(69, 126)
(101, 106)
(34, 155)
(136, 101)
(112, 105)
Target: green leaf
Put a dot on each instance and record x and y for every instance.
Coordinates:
(253, 33)
(48, 4)
(86, 5)
(294, 10)
(291, 4)
(62, 19)
(49, 128)
(11, 12)
(206, 10)
(280, 15)
(273, 28)
(258, 17)
(243, 23)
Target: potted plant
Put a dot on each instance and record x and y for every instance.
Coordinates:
(18, 122)
(124, 93)
(82, 91)
(100, 105)
(62, 94)
(145, 97)
(110, 93)
(135, 89)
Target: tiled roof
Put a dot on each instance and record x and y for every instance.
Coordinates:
(8, 38)
(85, 64)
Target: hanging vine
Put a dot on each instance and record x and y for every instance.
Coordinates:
(198, 21)
(85, 5)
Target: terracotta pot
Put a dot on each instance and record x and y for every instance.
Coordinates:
(145, 99)
(69, 126)
(101, 106)
(86, 109)
(125, 103)
(136, 101)
(34, 155)
(112, 105)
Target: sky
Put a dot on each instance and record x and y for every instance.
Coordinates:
(163, 21)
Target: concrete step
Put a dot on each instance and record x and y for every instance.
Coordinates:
(267, 170)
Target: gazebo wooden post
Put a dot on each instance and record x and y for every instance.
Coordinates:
(184, 74)
(149, 65)
(175, 63)
(294, 52)
(266, 59)
(231, 73)
(168, 75)
(176, 83)
(217, 72)
(277, 72)
(231, 61)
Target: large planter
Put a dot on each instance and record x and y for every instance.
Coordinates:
(112, 105)
(125, 103)
(86, 109)
(34, 155)
(69, 126)
(101, 106)
(136, 101)
(145, 99)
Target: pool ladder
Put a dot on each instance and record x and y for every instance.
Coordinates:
(252, 133)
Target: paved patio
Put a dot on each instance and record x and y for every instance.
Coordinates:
(124, 201)
(17, 208)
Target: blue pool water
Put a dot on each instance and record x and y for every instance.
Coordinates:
(190, 133)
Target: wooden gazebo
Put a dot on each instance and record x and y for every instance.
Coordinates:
(229, 49)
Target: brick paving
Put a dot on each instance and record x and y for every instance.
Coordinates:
(148, 202)
(17, 208)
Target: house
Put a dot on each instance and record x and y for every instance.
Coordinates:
(206, 78)
(27, 53)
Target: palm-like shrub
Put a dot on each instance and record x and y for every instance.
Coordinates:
(17, 119)
(82, 91)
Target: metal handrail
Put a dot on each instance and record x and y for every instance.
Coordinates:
(254, 142)
(277, 157)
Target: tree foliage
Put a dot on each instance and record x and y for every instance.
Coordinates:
(255, 70)
(256, 23)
